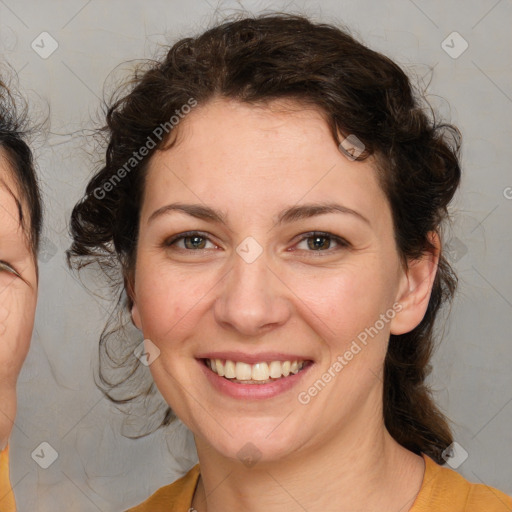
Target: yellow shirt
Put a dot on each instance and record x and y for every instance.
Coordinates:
(7, 503)
(442, 490)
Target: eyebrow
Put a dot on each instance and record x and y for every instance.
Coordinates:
(286, 216)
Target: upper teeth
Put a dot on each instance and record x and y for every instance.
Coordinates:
(259, 371)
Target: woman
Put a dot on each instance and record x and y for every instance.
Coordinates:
(20, 225)
(273, 195)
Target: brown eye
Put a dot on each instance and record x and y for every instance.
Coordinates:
(322, 242)
(319, 242)
(192, 241)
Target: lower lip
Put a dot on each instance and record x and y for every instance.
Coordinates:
(252, 391)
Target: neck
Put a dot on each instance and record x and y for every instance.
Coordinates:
(363, 470)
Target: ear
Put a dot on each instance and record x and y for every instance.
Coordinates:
(416, 287)
(136, 316)
(134, 310)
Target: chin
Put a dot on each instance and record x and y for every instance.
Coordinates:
(254, 441)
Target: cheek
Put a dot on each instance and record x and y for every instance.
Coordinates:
(17, 312)
(345, 301)
(169, 300)
(337, 304)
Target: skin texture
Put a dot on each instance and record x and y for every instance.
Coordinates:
(18, 296)
(252, 162)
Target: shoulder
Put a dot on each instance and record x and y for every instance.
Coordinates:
(176, 496)
(445, 490)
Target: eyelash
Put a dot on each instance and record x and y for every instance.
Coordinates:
(190, 234)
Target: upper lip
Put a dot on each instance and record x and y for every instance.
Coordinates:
(253, 358)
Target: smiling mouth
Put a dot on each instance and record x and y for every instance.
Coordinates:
(258, 373)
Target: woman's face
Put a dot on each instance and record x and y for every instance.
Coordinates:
(260, 286)
(18, 289)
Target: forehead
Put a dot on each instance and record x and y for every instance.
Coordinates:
(259, 157)
(10, 201)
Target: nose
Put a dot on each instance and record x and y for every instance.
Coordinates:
(253, 298)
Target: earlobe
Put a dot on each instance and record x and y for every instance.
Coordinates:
(134, 310)
(136, 316)
(416, 288)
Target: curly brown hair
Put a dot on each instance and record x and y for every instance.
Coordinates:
(256, 60)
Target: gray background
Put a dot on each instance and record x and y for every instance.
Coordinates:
(98, 469)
